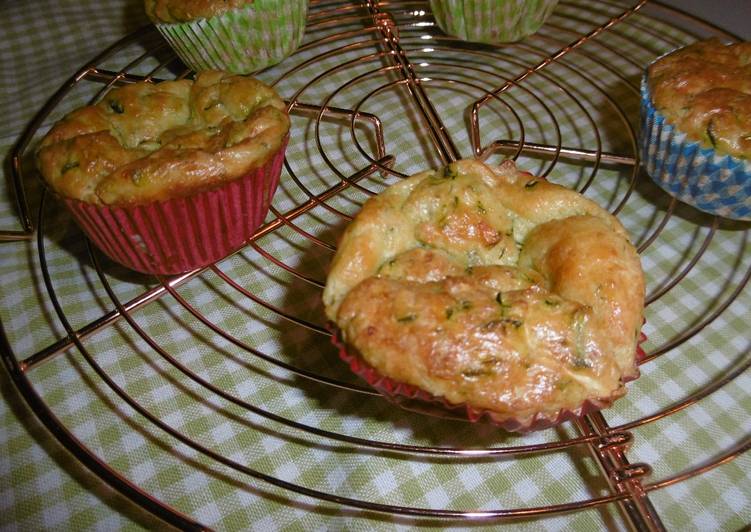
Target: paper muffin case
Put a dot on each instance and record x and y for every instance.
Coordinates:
(491, 21)
(699, 176)
(182, 234)
(241, 40)
(392, 389)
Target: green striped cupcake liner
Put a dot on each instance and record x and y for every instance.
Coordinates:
(491, 21)
(242, 40)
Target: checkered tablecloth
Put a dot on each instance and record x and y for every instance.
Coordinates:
(42, 43)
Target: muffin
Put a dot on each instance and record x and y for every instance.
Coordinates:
(167, 177)
(492, 291)
(239, 36)
(696, 126)
(491, 21)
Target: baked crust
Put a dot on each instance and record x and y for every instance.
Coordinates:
(488, 287)
(154, 141)
(175, 11)
(705, 91)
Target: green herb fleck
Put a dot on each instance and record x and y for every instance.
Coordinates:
(503, 322)
(137, 177)
(407, 319)
(711, 133)
(579, 320)
(483, 367)
(480, 208)
(449, 313)
(579, 323)
(492, 324)
(471, 373)
(552, 302)
(116, 106)
(510, 232)
(449, 172)
(504, 306)
(70, 165)
(581, 363)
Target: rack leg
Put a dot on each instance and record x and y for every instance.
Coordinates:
(622, 476)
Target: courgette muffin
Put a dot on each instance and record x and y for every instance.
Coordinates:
(490, 289)
(696, 126)
(491, 21)
(167, 177)
(240, 36)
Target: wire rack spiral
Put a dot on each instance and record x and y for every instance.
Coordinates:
(226, 377)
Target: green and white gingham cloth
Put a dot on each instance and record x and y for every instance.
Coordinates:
(42, 487)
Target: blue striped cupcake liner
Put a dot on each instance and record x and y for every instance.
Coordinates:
(696, 175)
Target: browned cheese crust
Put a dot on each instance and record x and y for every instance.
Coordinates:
(486, 286)
(154, 141)
(705, 91)
(175, 11)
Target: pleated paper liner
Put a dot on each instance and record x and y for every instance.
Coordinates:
(181, 234)
(696, 175)
(242, 40)
(491, 21)
(395, 390)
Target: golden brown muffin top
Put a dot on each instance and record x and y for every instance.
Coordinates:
(705, 90)
(175, 11)
(486, 286)
(154, 141)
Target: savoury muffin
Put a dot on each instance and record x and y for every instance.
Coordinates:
(490, 289)
(167, 177)
(240, 36)
(491, 21)
(696, 126)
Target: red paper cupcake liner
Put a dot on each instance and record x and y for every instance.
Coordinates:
(182, 234)
(393, 389)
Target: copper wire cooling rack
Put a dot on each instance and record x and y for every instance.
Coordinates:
(376, 93)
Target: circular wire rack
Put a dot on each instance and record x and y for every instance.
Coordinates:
(227, 376)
